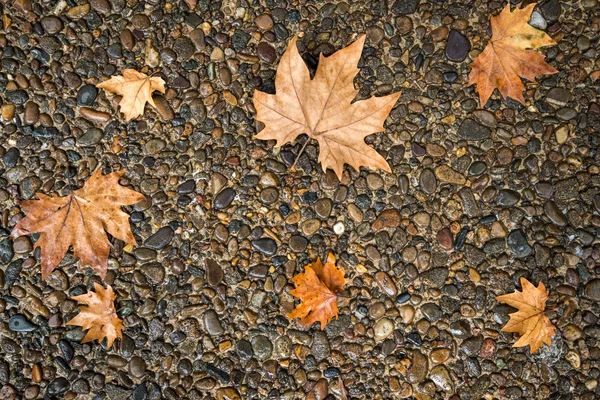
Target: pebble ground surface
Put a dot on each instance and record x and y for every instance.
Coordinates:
(478, 197)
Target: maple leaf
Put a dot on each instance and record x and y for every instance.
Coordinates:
(317, 288)
(80, 219)
(99, 317)
(506, 57)
(136, 89)
(530, 322)
(322, 108)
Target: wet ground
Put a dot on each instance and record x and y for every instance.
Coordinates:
(478, 197)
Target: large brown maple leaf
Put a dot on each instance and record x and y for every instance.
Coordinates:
(80, 219)
(506, 59)
(317, 287)
(530, 322)
(136, 89)
(322, 108)
(98, 316)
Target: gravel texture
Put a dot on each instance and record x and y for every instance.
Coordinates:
(478, 197)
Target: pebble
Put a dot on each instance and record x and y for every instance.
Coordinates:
(58, 386)
(224, 198)
(555, 214)
(518, 244)
(52, 25)
(418, 369)
(591, 290)
(387, 218)
(94, 115)
(214, 272)
(441, 377)
(18, 323)
(266, 52)
(445, 239)
(471, 130)
(457, 46)
(264, 22)
(160, 239)
(32, 113)
(101, 6)
(87, 95)
(446, 174)
(137, 367)
(212, 324)
(386, 284)
(427, 181)
(383, 328)
(91, 137)
(402, 7)
(266, 246)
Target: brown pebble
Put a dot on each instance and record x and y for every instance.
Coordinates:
(8, 112)
(266, 52)
(214, 272)
(36, 373)
(264, 22)
(445, 239)
(127, 39)
(94, 115)
(163, 107)
(387, 218)
(32, 113)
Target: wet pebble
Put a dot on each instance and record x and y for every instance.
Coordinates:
(457, 46)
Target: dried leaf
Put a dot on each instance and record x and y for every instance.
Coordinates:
(506, 58)
(317, 287)
(99, 317)
(530, 322)
(136, 89)
(80, 219)
(322, 108)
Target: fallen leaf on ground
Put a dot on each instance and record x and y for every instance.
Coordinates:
(506, 58)
(322, 108)
(80, 219)
(317, 288)
(136, 89)
(530, 322)
(99, 316)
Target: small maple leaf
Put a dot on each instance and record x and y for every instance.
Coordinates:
(136, 89)
(317, 287)
(506, 58)
(99, 317)
(322, 108)
(80, 219)
(530, 322)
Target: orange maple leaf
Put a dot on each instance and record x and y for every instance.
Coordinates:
(98, 316)
(530, 322)
(317, 287)
(506, 58)
(80, 219)
(322, 108)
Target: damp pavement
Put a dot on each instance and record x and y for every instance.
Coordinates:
(478, 197)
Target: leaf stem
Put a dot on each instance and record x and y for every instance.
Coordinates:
(299, 154)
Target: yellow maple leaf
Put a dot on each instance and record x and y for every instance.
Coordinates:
(530, 321)
(322, 108)
(136, 89)
(507, 57)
